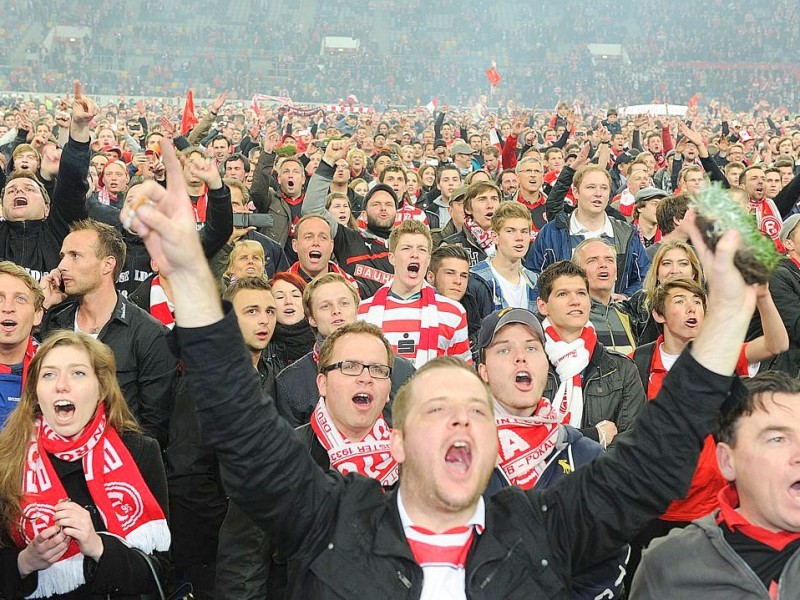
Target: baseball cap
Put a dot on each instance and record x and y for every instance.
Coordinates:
(623, 158)
(497, 320)
(459, 193)
(461, 147)
(650, 193)
(788, 226)
(439, 144)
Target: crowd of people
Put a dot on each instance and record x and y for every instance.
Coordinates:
(539, 52)
(477, 353)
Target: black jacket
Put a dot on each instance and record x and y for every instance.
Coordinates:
(612, 391)
(36, 245)
(146, 368)
(467, 241)
(297, 393)
(533, 541)
(784, 285)
(121, 572)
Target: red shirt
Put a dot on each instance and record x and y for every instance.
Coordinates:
(707, 481)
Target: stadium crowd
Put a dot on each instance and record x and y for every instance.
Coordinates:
(145, 46)
(279, 351)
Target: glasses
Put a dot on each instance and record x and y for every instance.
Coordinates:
(354, 369)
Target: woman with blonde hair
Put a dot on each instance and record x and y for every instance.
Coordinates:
(246, 260)
(83, 494)
(672, 260)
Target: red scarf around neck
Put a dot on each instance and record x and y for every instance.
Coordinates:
(332, 268)
(769, 220)
(370, 456)
(525, 444)
(484, 238)
(30, 350)
(115, 484)
(729, 502)
(159, 303)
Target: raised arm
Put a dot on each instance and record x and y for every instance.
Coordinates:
(775, 338)
(587, 513)
(320, 182)
(265, 468)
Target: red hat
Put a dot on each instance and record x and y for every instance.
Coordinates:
(116, 149)
(744, 136)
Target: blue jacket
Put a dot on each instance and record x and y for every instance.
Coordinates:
(553, 244)
(483, 273)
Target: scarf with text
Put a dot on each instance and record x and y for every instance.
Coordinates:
(370, 456)
(428, 346)
(115, 484)
(525, 444)
(484, 238)
(769, 220)
(31, 349)
(569, 360)
(160, 307)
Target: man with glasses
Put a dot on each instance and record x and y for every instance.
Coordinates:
(340, 183)
(348, 433)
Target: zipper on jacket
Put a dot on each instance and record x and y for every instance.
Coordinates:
(734, 556)
(491, 575)
(404, 580)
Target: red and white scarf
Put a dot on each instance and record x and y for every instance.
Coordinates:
(31, 349)
(428, 346)
(570, 360)
(115, 484)
(525, 443)
(105, 197)
(484, 238)
(160, 307)
(769, 220)
(370, 457)
(201, 207)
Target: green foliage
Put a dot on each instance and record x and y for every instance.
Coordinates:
(718, 213)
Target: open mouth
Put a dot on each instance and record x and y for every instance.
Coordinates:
(290, 184)
(64, 409)
(459, 456)
(20, 201)
(8, 324)
(691, 322)
(523, 380)
(603, 274)
(362, 400)
(315, 255)
(413, 268)
(794, 489)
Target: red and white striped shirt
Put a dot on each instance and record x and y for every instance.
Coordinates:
(442, 556)
(402, 324)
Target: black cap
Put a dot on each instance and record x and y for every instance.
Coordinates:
(381, 187)
(622, 159)
(499, 319)
(439, 144)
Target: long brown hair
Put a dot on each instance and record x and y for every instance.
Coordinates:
(16, 434)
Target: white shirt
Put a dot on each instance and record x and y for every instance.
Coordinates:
(515, 295)
(577, 228)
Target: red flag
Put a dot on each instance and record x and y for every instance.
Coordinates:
(493, 76)
(188, 118)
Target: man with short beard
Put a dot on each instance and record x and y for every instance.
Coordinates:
(530, 174)
(330, 303)
(362, 253)
(419, 323)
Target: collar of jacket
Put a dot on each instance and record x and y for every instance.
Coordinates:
(64, 313)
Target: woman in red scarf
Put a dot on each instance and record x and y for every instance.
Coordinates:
(81, 489)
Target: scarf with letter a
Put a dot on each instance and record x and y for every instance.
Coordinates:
(525, 443)
(115, 484)
(569, 360)
(370, 457)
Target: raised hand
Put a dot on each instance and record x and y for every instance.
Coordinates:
(167, 127)
(205, 171)
(219, 101)
(337, 149)
(83, 109)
